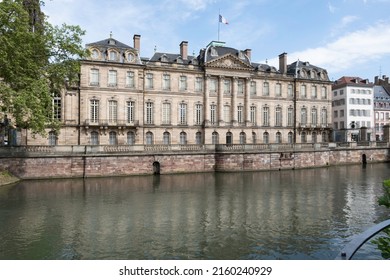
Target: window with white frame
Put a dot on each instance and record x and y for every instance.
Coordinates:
(290, 116)
(52, 138)
(94, 111)
(183, 114)
(314, 118)
(265, 137)
(278, 116)
(240, 114)
(324, 93)
(265, 116)
(324, 116)
(149, 113)
(290, 90)
(112, 78)
(303, 116)
(94, 77)
(149, 138)
(198, 114)
(130, 111)
(130, 81)
(253, 88)
(240, 87)
(253, 115)
(303, 91)
(56, 107)
(215, 138)
(278, 89)
(166, 113)
(213, 85)
(213, 114)
(226, 113)
(112, 111)
(265, 89)
(227, 86)
(183, 83)
(198, 84)
(166, 82)
(149, 81)
(313, 92)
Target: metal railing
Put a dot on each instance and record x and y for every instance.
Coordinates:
(351, 248)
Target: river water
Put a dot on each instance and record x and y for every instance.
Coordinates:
(295, 214)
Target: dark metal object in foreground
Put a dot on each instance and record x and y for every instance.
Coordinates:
(350, 249)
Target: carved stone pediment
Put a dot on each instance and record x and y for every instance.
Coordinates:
(229, 62)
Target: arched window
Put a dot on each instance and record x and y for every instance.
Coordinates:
(183, 138)
(229, 138)
(266, 138)
(278, 137)
(215, 138)
(314, 137)
(324, 137)
(52, 138)
(112, 138)
(130, 138)
(198, 138)
(94, 138)
(242, 138)
(254, 138)
(303, 116)
(166, 138)
(290, 137)
(149, 138)
(303, 137)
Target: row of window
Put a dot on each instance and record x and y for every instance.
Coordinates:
(166, 114)
(382, 116)
(213, 85)
(166, 139)
(358, 124)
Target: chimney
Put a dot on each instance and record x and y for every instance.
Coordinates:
(137, 42)
(248, 53)
(184, 50)
(283, 63)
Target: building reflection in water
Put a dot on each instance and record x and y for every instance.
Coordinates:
(301, 214)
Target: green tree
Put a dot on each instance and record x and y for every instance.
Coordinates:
(383, 242)
(36, 58)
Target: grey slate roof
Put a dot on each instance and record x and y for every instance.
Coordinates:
(110, 42)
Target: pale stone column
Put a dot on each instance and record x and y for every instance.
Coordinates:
(220, 100)
(247, 102)
(206, 109)
(234, 102)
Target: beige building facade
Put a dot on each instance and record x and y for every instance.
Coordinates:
(217, 97)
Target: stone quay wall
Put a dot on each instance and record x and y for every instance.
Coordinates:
(37, 162)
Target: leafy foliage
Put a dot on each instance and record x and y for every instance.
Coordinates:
(36, 59)
(383, 242)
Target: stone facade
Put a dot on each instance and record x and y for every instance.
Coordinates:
(125, 164)
(219, 96)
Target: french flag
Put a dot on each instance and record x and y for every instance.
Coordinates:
(223, 20)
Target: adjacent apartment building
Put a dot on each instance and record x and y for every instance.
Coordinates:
(381, 105)
(218, 96)
(353, 109)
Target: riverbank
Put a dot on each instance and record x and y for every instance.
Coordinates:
(7, 178)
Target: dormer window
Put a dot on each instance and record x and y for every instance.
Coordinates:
(164, 58)
(241, 55)
(130, 57)
(214, 52)
(113, 55)
(95, 54)
(179, 60)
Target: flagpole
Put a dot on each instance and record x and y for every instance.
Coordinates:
(219, 22)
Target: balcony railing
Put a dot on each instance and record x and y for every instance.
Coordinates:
(107, 122)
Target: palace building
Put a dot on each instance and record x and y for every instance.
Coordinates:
(216, 97)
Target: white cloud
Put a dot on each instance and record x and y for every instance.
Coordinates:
(346, 52)
(331, 8)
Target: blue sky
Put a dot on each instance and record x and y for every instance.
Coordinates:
(346, 37)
